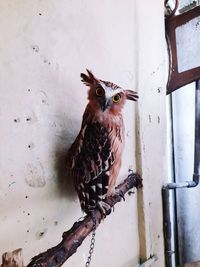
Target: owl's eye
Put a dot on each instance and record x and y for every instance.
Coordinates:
(100, 91)
(116, 98)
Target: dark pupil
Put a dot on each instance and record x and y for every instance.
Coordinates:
(99, 92)
(116, 98)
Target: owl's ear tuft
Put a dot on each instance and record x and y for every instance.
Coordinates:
(88, 79)
(131, 95)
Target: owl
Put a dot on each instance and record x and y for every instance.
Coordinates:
(94, 159)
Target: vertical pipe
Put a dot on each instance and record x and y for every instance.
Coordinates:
(197, 132)
(173, 197)
(168, 222)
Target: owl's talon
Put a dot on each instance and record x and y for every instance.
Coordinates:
(131, 192)
(130, 171)
(104, 208)
(120, 193)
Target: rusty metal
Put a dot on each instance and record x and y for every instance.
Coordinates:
(176, 79)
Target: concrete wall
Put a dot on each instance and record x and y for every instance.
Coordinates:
(152, 159)
(44, 46)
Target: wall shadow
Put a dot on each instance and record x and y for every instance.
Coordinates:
(64, 181)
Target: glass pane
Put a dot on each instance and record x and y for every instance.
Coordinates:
(187, 3)
(188, 45)
(184, 5)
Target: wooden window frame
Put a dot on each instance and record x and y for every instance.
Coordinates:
(176, 79)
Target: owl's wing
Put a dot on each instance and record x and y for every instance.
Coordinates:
(92, 153)
(91, 159)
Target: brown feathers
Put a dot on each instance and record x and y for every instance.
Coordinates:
(88, 79)
(131, 95)
(94, 158)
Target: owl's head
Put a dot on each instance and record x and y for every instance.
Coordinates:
(106, 96)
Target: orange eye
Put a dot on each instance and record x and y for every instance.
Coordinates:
(100, 91)
(116, 98)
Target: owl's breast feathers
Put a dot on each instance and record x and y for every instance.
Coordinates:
(94, 159)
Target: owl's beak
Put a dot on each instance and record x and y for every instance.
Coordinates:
(105, 104)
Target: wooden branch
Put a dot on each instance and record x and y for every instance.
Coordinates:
(73, 238)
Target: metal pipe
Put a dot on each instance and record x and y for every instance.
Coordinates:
(170, 251)
(197, 134)
(167, 228)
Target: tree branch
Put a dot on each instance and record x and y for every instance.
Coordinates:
(73, 238)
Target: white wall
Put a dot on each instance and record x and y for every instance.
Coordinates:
(44, 46)
(152, 161)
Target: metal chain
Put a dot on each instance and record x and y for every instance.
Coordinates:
(92, 241)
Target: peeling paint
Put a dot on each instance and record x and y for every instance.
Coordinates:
(44, 97)
(34, 175)
(10, 184)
